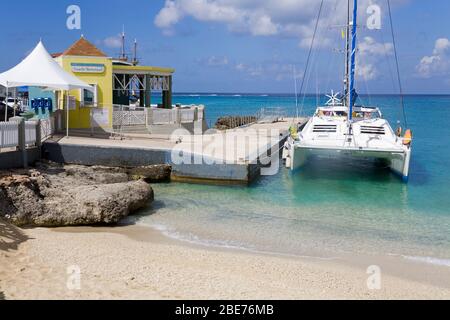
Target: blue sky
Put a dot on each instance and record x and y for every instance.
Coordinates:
(246, 45)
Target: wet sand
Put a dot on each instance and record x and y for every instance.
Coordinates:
(135, 262)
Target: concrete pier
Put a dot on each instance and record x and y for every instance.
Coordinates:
(235, 156)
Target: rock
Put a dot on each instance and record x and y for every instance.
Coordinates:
(56, 196)
(231, 122)
(151, 174)
(82, 174)
(99, 174)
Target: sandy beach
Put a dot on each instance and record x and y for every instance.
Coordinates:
(135, 262)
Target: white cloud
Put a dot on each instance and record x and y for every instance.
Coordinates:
(168, 16)
(263, 26)
(438, 63)
(367, 71)
(215, 61)
(370, 47)
(269, 70)
(240, 67)
(292, 18)
(113, 42)
(370, 54)
(442, 45)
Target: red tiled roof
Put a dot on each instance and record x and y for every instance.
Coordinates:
(83, 48)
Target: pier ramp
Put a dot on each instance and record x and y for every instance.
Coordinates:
(237, 156)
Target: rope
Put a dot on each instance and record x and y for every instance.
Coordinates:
(391, 72)
(386, 58)
(296, 92)
(397, 64)
(310, 49)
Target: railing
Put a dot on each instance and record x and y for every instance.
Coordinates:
(15, 131)
(9, 134)
(187, 115)
(138, 116)
(162, 116)
(129, 116)
(47, 128)
(30, 132)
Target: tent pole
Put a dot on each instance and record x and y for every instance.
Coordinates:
(67, 114)
(6, 103)
(15, 98)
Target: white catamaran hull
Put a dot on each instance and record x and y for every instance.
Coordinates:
(397, 161)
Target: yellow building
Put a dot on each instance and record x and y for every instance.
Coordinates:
(114, 82)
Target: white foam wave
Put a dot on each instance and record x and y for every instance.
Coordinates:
(195, 240)
(429, 260)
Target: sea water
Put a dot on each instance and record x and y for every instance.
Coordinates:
(329, 207)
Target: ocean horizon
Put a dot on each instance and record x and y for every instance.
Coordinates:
(236, 94)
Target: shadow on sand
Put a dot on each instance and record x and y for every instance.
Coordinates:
(10, 237)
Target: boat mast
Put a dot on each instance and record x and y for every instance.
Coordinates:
(352, 94)
(135, 61)
(347, 56)
(123, 55)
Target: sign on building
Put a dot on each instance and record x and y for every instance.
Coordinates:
(88, 68)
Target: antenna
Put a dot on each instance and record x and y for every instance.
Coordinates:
(123, 55)
(135, 59)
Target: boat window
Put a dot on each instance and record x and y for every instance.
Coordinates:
(341, 114)
(367, 115)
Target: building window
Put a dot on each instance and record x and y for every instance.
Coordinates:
(88, 98)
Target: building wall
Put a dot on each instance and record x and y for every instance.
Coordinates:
(80, 118)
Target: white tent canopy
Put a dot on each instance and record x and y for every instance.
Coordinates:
(39, 69)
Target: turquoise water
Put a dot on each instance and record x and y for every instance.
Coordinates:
(326, 208)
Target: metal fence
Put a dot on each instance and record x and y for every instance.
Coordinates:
(129, 116)
(48, 128)
(9, 134)
(162, 116)
(187, 115)
(126, 116)
(30, 132)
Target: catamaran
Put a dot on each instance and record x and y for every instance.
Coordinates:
(341, 128)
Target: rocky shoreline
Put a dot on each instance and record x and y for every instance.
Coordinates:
(231, 122)
(52, 195)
